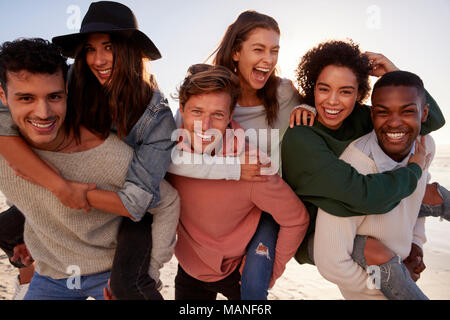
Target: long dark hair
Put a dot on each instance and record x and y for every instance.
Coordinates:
(121, 101)
(235, 35)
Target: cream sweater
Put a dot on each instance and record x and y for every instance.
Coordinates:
(397, 229)
(59, 237)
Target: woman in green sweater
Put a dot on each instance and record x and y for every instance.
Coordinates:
(334, 77)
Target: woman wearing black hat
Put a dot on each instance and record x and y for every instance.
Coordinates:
(110, 90)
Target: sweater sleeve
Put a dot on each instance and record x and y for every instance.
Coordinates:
(276, 198)
(333, 246)
(165, 221)
(435, 118)
(204, 166)
(288, 96)
(419, 236)
(7, 126)
(317, 175)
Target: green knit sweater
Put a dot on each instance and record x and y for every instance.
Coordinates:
(311, 166)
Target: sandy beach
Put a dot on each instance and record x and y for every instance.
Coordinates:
(303, 281)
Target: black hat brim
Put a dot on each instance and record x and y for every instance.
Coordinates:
(69, 43)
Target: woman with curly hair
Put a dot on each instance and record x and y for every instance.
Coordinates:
(334, 77)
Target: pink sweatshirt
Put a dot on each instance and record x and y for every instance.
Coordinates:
(218, 219)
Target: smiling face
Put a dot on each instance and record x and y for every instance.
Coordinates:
(335, 95)
(99, 56)
(206, 117)
(37, 103)
(397, 114)
(257, 58)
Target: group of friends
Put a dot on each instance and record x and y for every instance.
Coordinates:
(103, 179)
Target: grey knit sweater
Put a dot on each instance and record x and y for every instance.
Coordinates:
(59, 237)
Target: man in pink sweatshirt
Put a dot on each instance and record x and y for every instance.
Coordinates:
(219, 217)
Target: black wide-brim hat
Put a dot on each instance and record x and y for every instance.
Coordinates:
(111, 18)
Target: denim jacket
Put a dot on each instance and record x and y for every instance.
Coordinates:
(151, 140)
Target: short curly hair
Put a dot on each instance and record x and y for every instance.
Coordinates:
(338, 53)
(34, 55)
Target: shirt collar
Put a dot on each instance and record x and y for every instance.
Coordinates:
(369, 146)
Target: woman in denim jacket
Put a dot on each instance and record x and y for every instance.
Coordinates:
(110, 82)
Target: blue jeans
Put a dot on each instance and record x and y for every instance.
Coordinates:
(442, 210)
(395, 284)
(46, 288)
(258, 266)
(395, 281)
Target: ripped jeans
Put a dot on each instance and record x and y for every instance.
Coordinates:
(395, 281)
(396, 284)
(259, 260)
(260, 257)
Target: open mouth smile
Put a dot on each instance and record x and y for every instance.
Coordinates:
(332, 112)
(104, 74)
(43, 126)
(261, 73)
(395, 135)
(204, 137)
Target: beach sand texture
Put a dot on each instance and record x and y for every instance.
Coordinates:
(303, 281)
